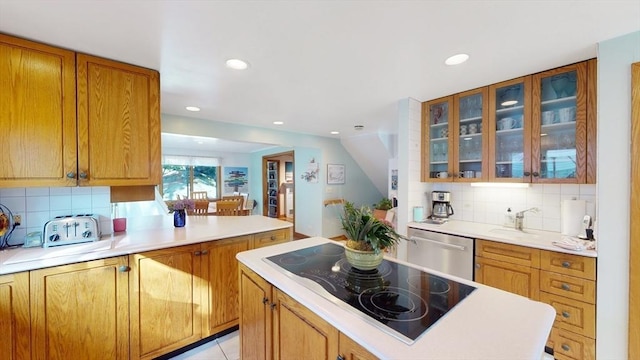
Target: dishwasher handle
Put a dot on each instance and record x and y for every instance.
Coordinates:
(439, 243)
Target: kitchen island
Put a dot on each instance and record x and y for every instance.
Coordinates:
(487, 324)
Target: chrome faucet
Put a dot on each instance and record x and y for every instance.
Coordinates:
(520, 217)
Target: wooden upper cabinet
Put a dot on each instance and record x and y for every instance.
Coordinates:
(118, 110)
(37, 114)
(559, 125)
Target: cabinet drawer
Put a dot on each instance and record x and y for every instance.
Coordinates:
(575, 265)
(513, 254)
(569, 346)
(271, 237)
(572, 315)
(568, 286)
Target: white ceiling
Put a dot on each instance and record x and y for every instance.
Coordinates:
(322, 65)
(206, 144)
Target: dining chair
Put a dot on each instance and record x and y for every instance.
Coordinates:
(199, 195)
(227, 208)
(238, 198)
(201, 207)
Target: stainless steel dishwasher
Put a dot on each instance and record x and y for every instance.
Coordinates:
(442, 252)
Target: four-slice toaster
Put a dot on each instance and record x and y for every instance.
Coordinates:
(71, 229)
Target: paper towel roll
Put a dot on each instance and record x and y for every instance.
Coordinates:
(571, 214)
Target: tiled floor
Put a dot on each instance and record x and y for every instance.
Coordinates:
(223, 348)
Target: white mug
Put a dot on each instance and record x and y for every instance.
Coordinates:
(548, 117)
(506, 123)
(442, 175)
(473, 128)
(478, 174)
(463, 129)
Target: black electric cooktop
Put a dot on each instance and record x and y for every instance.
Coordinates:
(398, 299)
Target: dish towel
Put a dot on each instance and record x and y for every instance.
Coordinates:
(575, 244)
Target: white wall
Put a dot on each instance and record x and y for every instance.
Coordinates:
(615, 57)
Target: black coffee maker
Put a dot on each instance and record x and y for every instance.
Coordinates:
(441, 205)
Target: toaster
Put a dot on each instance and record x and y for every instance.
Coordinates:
(71, 229)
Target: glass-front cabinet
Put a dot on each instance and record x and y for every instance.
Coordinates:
(510, 130)
(436, 139)
(560, 125)
(470, 143)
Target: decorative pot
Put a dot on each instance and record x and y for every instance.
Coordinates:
(363, 260)
(179, 218)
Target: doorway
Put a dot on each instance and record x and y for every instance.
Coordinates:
(278, 184)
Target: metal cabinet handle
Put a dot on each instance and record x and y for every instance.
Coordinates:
(535, 174)
(527, 173)
(273, 237)
(124, 268)
(439, 243)
(477, 265)
(273, 306)
(197, 253)
(340, 357)
(71, 175)
(265, 300)
(565, 347)
(205, 252)
(565, 287)
(83, 175)
(566, 314)
(566, 264)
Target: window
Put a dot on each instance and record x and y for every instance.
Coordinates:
(181, 175)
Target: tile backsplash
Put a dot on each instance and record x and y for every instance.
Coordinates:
(36, 206)
(489, 204)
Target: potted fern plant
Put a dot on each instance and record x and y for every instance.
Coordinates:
(367, 237)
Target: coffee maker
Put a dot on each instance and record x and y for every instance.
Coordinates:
(441, 205)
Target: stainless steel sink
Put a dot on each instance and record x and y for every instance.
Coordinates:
(514, 234)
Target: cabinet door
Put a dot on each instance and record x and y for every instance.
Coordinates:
(559, 148)
(350, 350)
(510, 130)
(118, 110)
(166, 308)
(221, 268)
(38, 114)
(471, 145)
(80, 311)
(437, 139)
(14, 316)
(255, 316)
(517, 279)
(298, 333)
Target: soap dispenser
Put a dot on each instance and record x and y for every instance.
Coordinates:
(509, 219)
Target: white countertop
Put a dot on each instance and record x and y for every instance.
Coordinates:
(530, 238)
(144, 234)
(488, 324)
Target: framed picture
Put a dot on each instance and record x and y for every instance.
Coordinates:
(335, 174)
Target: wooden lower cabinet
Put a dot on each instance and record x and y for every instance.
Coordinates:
(565, 281)
(220, 267)
(275, 326)
(14, 316)
(268, 238)
(351, 350)
(166, 300)
(81, 311)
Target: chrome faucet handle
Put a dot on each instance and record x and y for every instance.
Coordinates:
(519, 225)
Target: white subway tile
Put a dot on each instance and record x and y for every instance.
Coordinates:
(57, 203)
(551, 224)
(587, 189)
(81, 190)
(60, 191)
(551, 189)
(100, 190)
(37, 219)
(12, 192)
(570, 189)
(80, 202)
(15, 204)
(37, 191)
(100, 200)
(37, 203)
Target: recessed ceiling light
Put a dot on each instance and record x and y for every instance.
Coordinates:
(237, 64)
(335, 132)
(192, 108)
(278, 123)
(358, 127)
(456, 59)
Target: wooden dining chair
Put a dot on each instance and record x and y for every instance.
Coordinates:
(238, 198)
(227, 208)
(201, 207)
(199, 195)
